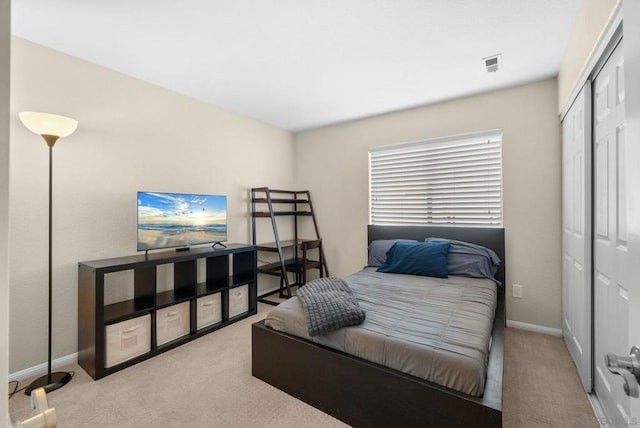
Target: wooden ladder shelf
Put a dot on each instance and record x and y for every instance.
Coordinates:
(294, 203)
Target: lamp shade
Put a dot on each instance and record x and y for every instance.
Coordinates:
(48, 124)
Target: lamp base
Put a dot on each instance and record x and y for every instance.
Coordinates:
(58, 380)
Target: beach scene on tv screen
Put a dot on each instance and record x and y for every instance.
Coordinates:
(177, 220)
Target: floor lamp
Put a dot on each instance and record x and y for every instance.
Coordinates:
(51, 127)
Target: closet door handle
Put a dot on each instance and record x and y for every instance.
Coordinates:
(628, 368)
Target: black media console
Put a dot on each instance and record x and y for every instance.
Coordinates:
(133, 308)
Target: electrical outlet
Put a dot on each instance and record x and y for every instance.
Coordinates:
(516, 291)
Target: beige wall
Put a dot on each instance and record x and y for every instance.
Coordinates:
(5, 50)
(333, 163)
(591, 25)
(131, 136)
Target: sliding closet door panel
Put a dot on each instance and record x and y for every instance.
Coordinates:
(632, 189)
(610, 258)
(576, 234)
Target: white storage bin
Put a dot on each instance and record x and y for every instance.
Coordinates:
(172, 322)
(127, 339)
(238, 300)
(208, 310)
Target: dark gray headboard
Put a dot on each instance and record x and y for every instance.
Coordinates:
(490, 237)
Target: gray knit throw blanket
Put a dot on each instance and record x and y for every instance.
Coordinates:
(329, 305)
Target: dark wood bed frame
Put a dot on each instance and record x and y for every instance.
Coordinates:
(362, 393)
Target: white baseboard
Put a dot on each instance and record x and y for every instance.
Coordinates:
(534, 328)
(41, 369)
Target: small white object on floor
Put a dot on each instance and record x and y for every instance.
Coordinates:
(46, 417)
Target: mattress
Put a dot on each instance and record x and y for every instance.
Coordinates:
(432, 328)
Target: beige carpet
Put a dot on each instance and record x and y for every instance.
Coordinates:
(208, 383)
(541, 387)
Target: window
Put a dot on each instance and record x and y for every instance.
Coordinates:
(448, 181)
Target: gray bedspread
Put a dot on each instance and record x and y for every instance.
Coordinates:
(435, 329)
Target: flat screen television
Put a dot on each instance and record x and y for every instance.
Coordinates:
(177, 220)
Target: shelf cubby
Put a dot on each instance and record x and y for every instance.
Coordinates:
(119, 311)
(205, 288)
(171, 297)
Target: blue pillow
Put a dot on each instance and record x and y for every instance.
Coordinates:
(417, 258)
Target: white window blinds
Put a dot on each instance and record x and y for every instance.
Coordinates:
(455, 180)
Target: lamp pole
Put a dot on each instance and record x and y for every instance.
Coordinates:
(51, 141)
(49, 379)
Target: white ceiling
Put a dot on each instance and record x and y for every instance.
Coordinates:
(301, 64)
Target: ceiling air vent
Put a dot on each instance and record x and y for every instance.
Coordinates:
(493, 63)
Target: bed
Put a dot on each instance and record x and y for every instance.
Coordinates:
(362, 392)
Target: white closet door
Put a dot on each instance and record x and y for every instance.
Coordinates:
(576, 233)
(632, 125)
(611, 277)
